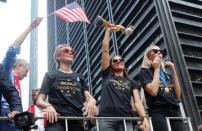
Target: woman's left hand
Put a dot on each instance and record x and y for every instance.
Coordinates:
(90, 109)
(170, 64)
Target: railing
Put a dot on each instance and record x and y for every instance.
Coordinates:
(100, 118)
(185, 120)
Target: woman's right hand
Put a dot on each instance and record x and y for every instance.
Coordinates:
(35, 23)
(156, 63)
(110, 27)
(51, 114)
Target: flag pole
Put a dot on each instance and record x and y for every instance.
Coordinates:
(48, 15)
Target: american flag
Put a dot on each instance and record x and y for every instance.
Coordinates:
(72, 13)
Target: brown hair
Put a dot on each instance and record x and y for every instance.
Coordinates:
(125, 72)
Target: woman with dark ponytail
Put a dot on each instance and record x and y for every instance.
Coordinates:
(117, 90)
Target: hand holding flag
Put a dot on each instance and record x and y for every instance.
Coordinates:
(35, 23)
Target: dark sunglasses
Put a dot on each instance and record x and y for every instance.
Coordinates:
(69, 51)
(117, 60)
(156, 51)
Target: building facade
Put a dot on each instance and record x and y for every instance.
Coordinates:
(174, 25)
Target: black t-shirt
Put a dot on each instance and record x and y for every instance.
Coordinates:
(65, 92)
(116, 95)
(165, 95)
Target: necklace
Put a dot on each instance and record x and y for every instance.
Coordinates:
(67, 72)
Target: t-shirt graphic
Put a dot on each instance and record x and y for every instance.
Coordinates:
(121, 84)
(65, 92)
(116, 95)
(69, 87)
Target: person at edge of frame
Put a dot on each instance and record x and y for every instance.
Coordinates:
(162, 89)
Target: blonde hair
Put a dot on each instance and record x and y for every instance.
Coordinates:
(146, 63)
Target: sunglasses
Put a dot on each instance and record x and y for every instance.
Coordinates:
(117, 60)
(69, 51)
(156, 51)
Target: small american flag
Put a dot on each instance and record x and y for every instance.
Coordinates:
(72, 13)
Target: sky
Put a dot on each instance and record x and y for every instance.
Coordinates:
(15, 17)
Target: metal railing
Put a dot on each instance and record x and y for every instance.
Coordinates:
(135, 119)
(124, 119)
(185, 120)
(100, 118)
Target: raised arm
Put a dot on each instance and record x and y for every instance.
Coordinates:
(105, 50)
(18, 42)
(153, 87)
(10, 57)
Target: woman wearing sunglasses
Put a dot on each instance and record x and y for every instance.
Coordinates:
(65, 90)
(117, 90)
(162, 89)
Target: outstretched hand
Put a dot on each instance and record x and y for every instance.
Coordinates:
(35, 23)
